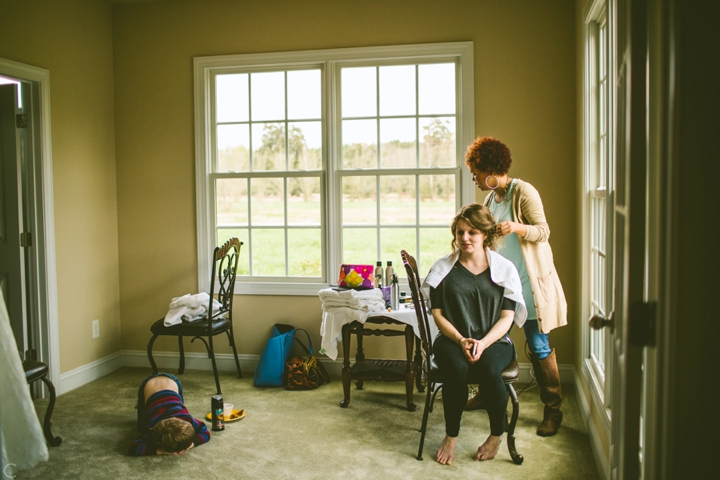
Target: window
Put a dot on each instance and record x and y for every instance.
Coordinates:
(319, 158)
(598, 189)
(597, 203)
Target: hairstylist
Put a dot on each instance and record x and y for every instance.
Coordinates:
(517, 207)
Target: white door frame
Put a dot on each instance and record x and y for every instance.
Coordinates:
(46, 280)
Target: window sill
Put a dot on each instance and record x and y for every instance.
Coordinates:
(278, 288)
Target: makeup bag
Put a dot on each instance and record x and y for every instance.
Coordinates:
(356, 276)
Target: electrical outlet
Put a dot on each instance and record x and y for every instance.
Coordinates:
(96, 328)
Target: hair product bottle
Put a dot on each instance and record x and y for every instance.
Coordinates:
(394, 293)
(389, 272)
(378, 275)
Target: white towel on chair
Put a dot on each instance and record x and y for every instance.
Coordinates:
(189, 308)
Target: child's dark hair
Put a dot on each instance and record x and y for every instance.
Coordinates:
(478, 217)
(173, 435)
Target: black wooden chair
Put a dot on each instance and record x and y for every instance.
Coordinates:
(34, 371)
(222, 283)
(432, 374)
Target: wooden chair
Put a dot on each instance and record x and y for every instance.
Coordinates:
(34, 371)
(225, 261)
(432, 374)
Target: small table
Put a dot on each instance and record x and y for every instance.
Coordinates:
(380, 369)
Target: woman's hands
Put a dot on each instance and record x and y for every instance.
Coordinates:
(507, 227)
(473, 349)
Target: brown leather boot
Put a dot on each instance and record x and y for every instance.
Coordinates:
(548, 378)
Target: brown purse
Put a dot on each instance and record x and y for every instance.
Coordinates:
(304, 373)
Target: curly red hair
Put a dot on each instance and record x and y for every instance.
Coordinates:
(488, 155)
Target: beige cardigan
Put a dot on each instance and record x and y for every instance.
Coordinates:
(549, 297)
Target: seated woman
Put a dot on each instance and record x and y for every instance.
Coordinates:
(475, 295)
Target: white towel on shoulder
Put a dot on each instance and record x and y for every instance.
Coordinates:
(189, 308)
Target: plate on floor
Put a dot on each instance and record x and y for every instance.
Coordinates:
(236, 415)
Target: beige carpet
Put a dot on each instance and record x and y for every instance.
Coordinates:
(301, 435)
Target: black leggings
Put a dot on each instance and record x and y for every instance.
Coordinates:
(456, 369)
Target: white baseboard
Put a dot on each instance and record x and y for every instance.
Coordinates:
(87, 373)
(598, 452)
(225, 363)
(199, 361)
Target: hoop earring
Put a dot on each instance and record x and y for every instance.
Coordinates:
(496, 179)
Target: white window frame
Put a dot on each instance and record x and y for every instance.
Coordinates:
(595, 11)
(329, 61)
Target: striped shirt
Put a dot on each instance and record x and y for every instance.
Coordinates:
(161, 405)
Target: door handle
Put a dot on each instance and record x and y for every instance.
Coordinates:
(598, 322)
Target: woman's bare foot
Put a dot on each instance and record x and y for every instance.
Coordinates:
(489, 449)
(446, 450)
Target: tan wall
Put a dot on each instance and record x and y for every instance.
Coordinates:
(524, 72)
(73, 40)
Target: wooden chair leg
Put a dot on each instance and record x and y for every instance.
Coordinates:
(232, 344)
(410, 369)
(52, 440)
(516, 457)
(429, 399)
(211, 351)
(181, 368)
(150, 355)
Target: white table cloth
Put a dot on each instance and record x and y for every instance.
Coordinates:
(334, 318)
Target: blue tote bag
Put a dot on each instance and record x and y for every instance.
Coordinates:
(271, 367)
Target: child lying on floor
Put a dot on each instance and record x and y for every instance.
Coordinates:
(164, 424)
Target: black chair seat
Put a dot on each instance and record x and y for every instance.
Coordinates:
(190, 329)
(511, 372)
(34, 370)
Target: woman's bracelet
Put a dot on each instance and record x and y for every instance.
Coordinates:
(459, 342)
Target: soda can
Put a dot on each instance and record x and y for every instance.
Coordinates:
(218, 417)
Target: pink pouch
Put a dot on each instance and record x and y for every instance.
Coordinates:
(358, 277)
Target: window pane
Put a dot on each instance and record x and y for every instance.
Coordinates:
(304, 201)
(268, 140)
(232, 201)
(268, 96)
(305, 252)
(304, 94)
(268, 252)
(359, 143)
(392, 240)
(397, 200)
(359, 200)
(231, 98)
(359, 93)
(359, 246)
(436, 88)
(434, 243)
(397, 90)
(305, 146)
(437, 199)
(224, 234)
(398, 141)
(437, 142)
(233, 148)
(267, 201)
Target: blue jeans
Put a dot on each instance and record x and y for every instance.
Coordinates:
(539, 343)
